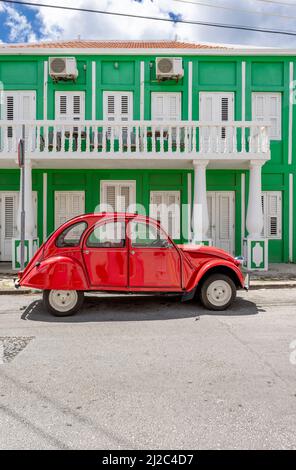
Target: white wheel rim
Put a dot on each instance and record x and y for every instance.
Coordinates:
(219, 293)
(63, 300)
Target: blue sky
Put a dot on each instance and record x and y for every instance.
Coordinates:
(26, 24)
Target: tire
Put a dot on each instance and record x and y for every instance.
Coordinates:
(62, 303)
(217, 292)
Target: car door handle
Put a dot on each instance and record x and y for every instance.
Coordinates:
(86, 252)
(132, 252)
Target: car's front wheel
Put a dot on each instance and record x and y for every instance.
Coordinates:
(62, 303)
(217, 292)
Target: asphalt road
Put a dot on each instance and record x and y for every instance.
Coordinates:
(149, 373)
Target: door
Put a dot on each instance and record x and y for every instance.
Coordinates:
(221, 209)
(118, 107)
(216, 107)
(154, 262)
(9, 212)
(18, 106)
(105, 255)
(117, 196)
(68, 204)
(165, 207)
(166, 106)
(8, 223)
(69, 106)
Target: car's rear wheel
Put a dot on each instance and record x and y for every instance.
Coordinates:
(62, 303)
(217, 292)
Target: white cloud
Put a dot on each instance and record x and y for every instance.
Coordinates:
(59, 24)
(19, 27)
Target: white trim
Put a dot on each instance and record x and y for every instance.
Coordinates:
(93, 95)
(142, 90)
(290, 137)
(44, 206)
(190, 91)
(45, 89)
(189, 208)
(243, 207)
(22, 51)
(243, 90)
(291, 228)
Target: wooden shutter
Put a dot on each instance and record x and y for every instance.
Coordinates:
(272, 214)
(8, 222)
(118, 106)
(68, 204)
(211, 214)
(221, 214)
(118, 195)
(166, 106)
(69, 106)
(268, 107)
(165, 207)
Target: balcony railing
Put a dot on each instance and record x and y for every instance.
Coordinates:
(136, 139)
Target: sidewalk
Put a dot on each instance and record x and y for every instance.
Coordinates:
(278, 276)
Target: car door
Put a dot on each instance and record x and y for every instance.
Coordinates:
(105, 254)
(154, 261)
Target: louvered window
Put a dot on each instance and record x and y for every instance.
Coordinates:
(68, 204)
(69, 106)
(272, 214)
(165, 207)
(267, 107)
(18, 106)
(216, 107)
(221, 219)
(117, 196)
(166, 106)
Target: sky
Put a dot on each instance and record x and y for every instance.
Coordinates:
(21, 23)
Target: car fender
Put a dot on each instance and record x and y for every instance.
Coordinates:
(205, 268)
(57, 272)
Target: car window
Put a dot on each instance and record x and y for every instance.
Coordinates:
(107, 235)
(147, 235)
(71, 236)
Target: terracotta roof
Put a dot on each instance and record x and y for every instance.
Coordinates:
(113, 44)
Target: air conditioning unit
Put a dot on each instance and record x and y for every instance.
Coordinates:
(63, 68)
(169, 67)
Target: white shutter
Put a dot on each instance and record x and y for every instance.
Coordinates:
(165, 207)
(216, 107)
(19, 106)
(8, 222)
(117, 195)
(221, 211)
(268, 107)
(166, 106)
(118, 106)
(68, 204)
(272, 214)
(69, 106)
(211, 214)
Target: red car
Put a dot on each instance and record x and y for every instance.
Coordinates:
(121, 252)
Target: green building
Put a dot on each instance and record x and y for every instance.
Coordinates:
(201, 137)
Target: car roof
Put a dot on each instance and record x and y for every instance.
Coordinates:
(93, 216)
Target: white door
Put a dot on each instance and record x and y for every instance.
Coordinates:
(118, 107)
(68, 204)
(166, 106)
(216, 107)
(165, 207)
(117, 196)
(221, 210)
(18, 106)
(8, 222)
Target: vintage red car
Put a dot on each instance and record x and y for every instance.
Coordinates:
(127, 253)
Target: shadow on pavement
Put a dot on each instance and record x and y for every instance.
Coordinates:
(136, 308)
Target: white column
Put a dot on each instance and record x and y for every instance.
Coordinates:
(200, 216)
(254, 220)
(29, 208)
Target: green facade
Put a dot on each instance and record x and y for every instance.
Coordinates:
(209, 73)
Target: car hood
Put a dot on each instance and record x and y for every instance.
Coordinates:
(202, 251)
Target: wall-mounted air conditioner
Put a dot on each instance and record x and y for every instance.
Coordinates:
(63, 68)
(169, 67)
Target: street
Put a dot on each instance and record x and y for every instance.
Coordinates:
(146, 372)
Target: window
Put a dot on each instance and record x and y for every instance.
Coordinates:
(71, 236)
(118, 106)
(68, 204)
(108, 235)
(216, 107)
(18, 106)
(165, 207)
(145, 235)
(166, 106)
(117, 196)
(272, 214)
(267, 107)
(69, 106)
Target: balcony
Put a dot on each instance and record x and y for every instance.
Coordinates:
(228, 143)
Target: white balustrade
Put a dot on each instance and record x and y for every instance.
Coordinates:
(178, 139)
